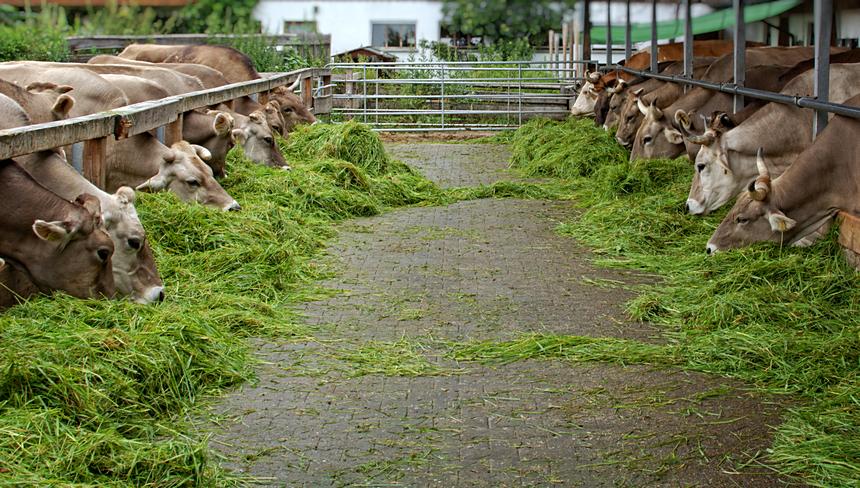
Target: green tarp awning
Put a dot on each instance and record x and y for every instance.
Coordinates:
(714, 21)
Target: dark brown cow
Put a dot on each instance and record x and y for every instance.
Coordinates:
(60, 244)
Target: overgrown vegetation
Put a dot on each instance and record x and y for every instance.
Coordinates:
(40, 35)
(782, 318)
(96, 393)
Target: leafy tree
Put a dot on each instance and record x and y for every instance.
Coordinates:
(496, 20)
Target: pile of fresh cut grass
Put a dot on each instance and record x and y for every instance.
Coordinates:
(568, 149)
(351, 141)
(97, 393)
(784, 319)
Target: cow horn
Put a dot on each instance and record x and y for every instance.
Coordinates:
(761, 186)
(638, 92)
(295, 85)
(656, 113)
(682, 119)
(594, 77)
(642, 107)
(706, 139)
(2, 264)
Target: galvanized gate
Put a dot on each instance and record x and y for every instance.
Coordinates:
(442, 96)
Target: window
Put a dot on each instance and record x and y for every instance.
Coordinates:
(393, 35)
(297, 26)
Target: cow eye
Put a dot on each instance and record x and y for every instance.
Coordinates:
(103, 254)
(700, 167)
(268, 140)
(192, 182)
(134, 243)
(287, 110)
(647, 139)
(741, 220)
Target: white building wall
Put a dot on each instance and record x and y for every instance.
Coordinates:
(349, 22)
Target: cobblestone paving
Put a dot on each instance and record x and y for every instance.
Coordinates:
(415, 280)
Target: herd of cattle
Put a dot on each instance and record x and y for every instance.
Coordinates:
(58, 231)
(788, 186)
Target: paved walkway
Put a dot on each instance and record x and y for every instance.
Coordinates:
(375, 402)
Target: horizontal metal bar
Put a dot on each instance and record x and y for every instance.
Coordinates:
(731, 88)
(385, 112)
(447, 129)
(445, 63)
(552, 82)
(476, 96)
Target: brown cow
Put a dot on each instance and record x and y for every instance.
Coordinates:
(823, 180)
(595, 83)
(726, 161)
(60, 244)
(658, 137)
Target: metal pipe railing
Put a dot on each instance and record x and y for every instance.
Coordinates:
(732, 89)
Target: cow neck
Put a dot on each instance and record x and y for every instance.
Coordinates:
(820, 182)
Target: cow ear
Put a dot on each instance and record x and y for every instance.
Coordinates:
(40, 86)
(170, 156)
(90, 203)
(125, 195)
(154, 184)
(202, 152)
(57, 231)
(64, 88)
(223, 124)
(779, 222)
(238, 136)
(274, 104)
(62, 106)
(673, 136)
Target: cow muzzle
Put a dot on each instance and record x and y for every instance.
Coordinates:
(710, 249)
(152, 294)
(694, 207)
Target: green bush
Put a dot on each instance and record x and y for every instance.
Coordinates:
(29, 41)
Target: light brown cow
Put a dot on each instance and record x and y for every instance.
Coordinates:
(216, 130)
(235, 66)
(92, 92)
(823, 180)
(726, 161)
(42, 102)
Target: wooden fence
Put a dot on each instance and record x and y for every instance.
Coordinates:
(142, 117)
(309, 45)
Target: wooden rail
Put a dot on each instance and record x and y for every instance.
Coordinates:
(317, 46)
(146, 116)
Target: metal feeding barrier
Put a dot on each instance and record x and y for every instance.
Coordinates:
(448, 96)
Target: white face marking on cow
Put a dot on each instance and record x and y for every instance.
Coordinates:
(714, 183)
(585, 101)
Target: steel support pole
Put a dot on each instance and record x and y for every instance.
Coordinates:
(823, 18)
(608, 32)
(688, 41)
(653, 36)
(740, 52)
(586, 29)
(628, 48)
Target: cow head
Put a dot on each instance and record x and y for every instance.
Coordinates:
(212, 130)
(257, 140)
(183, 172)
(656, 137)
(629, 119)
(616, 102)
(293, 110)
(756, 217)
(77, 257)
(275, 118)
(587, 97)
(714, 181)
(134, 269)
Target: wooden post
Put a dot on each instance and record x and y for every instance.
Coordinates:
(95, 160)
(551, 42)
(564, 48)
(307, 92)
(173, 131)
(576, 49)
